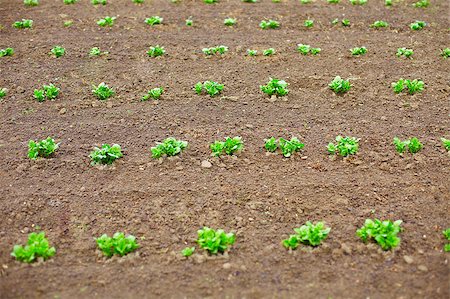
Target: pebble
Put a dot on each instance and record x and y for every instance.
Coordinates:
(226, 266)
(206, 164)
(63, 111)
(422, 268)
(408, 259)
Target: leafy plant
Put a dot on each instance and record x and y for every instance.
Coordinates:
(169, 147)
(252, 52)
(37, 246)
(215, 50)
(154, 93)
(106, 21)
(57, 51)
(189, 22)
(31, 2)
(211, 87)
(229, 22)
(210, 1)
(49, 92)
(6, 52)
(379, 24)
(107, 154)
(275, 87)
(271, 144)
(344, 146)
(413, 145)
(358, 2)
(404, 52)
(249, 1)
(68, 23)
(308, 234)
(44, 148)
(269, 52)
(339, 85)
(270, 24)
(446, 143)
(287, 147)
(117, 244)
(138, 1)
(413, 86)
(97, 2)
(70, 1)
(445, 52)
(23, 24)
(388, 2)
(308, 23)
(305, 1)
(333, 1)
(382, 232)
(345, 22)
(446, 234)
(358, 51)
(154, 20)
(229, 146)
(156, 51)
(102, 91)
(188, 251)
(215, 241)
(3, 92)
(421, 3)
(418, 25)
(307, 49)
(95, 51)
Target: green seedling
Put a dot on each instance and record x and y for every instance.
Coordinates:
(308, 23)
(307, 49)
(68, 23)
(211, 87)
(98, 2)
(339, 85)
(210, 1)
(70, 1)
(155, 20)
(49, 92)
(308, 234)
(106, 21)
(106, 155)
(269, 52)
(31, 2)
(44, 148)
(37, 247)
(229, 146)
(229, 22)
(413, 145)
(252, 52)
(118, 244)
(215, 50)
(23, 24)
(270, 24)
(154, 93)
(421, 4)
(446, 143)
(344, 146)
(271, 144)
(156, 51)
(305, 1)
(189, 22)
(358, 51)
(249, 1)
(3, 92)
(446, 234)
(275, 87)
(215, 241)
(417, 25)
(169, 147)
(404, 52)
(102, 91)
(445, 53)
(57, 51)
(138, 1)
(95, 51)
(413, 86)
(379, 24)
(344, 22)
(358, 2)
(188, 251)
(388, 2)
(6, 52)
(333, 1)
(287, 147)
(382, 232)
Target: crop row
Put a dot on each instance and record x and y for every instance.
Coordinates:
(384, 233)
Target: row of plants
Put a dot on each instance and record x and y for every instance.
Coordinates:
(109, 21)
(107, 154)
(384, 233)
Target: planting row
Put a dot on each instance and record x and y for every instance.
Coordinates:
(304, 49)
(384, 233)
(107, 154)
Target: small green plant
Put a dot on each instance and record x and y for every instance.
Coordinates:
(23, 24)
(275, 87)
(446, 234)
(156, 51)
(308, 23)
(252, 52)
(106, 21)
(154, 20)
(68, 23)
(37, 247)
(417, 25)
(3, 92)
(379, 24)
(98, 2)
(44, 148)
(6, 52)
(344, 22)
(344, 146)
(95, 51)
(117, 244)
(106, 155)
(249, 1)
(287, 147)
(138, 1)
(306, 49)
(70, 1)
(57, 51)
(215, 241)
(339, 85)
(210, 1)
(383, 232)
(269, 52)
(188, 251)
(421, 3)
(305, 1)
(215, 50)
(31, 2)
(211, 87)
(270, 24)
(229, 22)
(413, 145)
(333, 1)
(169, 147)
(358, 2)
(271, 144)
(154, 93)
(445, 53)
(49, 92)
(189, 22)
(407, 53)
(446, 143)
(413, 86)
(358, 51)
(229, 146)
(388, 2)
(308, 234)
(102, 91)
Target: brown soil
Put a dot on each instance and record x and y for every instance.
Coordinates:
(259, 197)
